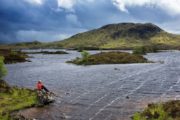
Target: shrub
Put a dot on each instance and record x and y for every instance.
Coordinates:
(161, 111)
(3, 70)
(145, 49)
(85, 55)
(139, 50)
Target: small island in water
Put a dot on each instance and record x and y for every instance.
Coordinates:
(16, 56)
(47, 52)
(13, 56)
(113, 57)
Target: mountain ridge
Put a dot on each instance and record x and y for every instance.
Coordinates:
(122, 35)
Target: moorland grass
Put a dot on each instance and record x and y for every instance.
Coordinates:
(162, 111)
(16, 99)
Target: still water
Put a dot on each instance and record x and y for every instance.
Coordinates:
(98, 92)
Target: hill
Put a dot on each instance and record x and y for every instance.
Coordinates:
(26, 45)
(122, 36)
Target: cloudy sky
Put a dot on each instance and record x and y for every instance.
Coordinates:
(49, 20)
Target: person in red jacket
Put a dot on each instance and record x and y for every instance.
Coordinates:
(41, 87)
(42, 93)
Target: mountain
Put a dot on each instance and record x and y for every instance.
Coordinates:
(122, 36)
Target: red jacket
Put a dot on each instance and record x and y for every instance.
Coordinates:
(39, 86)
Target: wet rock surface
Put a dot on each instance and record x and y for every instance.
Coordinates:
(98, 92)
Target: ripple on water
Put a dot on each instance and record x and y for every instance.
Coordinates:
(98, 91)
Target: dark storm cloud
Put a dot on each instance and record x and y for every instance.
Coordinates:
(23, 21)
(21, 16)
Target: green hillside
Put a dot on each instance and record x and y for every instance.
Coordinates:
(122, 36)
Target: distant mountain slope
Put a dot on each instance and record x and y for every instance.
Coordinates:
(122, 36)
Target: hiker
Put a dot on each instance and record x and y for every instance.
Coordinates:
(44, 95)
(42, 92)
(41, 87)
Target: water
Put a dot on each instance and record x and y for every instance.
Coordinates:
(98, 92)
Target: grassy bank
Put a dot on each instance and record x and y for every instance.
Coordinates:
(161, 111)
(108, 58)
(13, 98)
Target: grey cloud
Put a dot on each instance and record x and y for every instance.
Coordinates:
(21, 21)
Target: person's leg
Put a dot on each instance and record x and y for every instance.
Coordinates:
(45, 89)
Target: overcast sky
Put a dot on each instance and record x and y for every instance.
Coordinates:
(50, 20)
